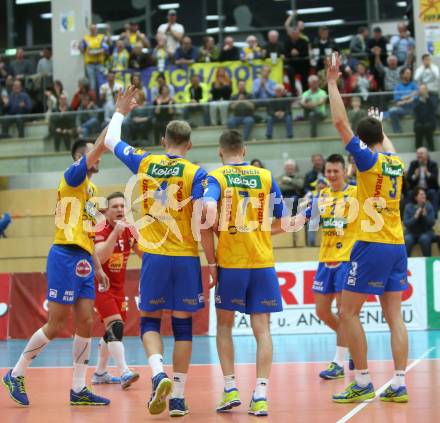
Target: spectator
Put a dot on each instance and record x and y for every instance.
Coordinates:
(296, 52)
(242, 109)
(313, 102)
(322, 46)
(358, 45)
(425, 107)
(404, 95)
(139, 59)
(53, 99)
(208, 52)
(44, 66)
(17, 104)
(83, 88)
(137, 82)
(301, 28)
(229, 52)
(4, 71)
(252, 51)
(273, 49)
(423, 172)
(186, 54)
(94, 49)
(132, 36)
(390, 73)
(161, 53)
(172, 30)
(9, 83)
(428, 73)
(58, 88)
(21, 67)
(5, 220)
(161, 81)
(291, 182)
(64, 124)
(257, 163)
(107, 95)
(403, 45)
(316, 173)
(361, 82)
(419, 220)
(120, 58)
(88, 123)
(221, 90)
(197, 94)
(263, 87)
(356, 113)
(379, 41)
(164, 112)
(279, 110)
(138, 123)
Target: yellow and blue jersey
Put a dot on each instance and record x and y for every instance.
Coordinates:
(337, 226)
(75, 212)
(379, 182)
(168, 185)
(247, 198)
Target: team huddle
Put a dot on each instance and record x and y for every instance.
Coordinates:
(362, 253)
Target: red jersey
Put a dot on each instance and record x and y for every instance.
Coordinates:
(116, 265)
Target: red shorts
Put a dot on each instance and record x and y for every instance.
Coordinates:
(109, 303)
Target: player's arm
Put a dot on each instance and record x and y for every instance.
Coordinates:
(339, 115)
(137, 250)
(103, 280)
(104, 249)
(387, 144)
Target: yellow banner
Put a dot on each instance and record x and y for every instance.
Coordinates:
(429, 11)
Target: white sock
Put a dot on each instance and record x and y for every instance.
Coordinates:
(340, 354)
(398, 379)
(117, 352)
(362, 377)
(156, 363)
(81, 355)
(101, 366)
(179, 380)
(230, 382)
(35, 345)
(261, 388)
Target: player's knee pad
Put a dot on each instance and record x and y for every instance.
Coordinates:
(115, 331)
(149, 324)
(182, 328)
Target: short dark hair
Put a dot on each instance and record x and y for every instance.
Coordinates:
(231, 141)
(425, 55)
(178, 132)
(404, 69)
(377, 29)
(416, 192)
(76, 146)
(113, 195)
(335, 158)
(370, 131)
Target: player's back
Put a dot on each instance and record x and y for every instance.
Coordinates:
(168, 184)
(244, 216)
(379, 193)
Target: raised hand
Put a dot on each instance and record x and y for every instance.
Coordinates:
(126, 101)
(375, 113)
(333, 66)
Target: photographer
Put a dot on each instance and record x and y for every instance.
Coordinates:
(419, 219)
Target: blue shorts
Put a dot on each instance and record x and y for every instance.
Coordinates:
(376, 268)
(330, 280)
(70, 275)
(248, 290)
(171, 283)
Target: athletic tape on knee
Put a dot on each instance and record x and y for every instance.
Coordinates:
(115, 331)
(182, 328)
(149, 324)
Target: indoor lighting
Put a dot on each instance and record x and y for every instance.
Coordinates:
(216, 30)
(46, 16)
(345, 39)
(31, 1)
(402, 4)
(311, 10)
(333, 22)
(168, 6)
(214, 17)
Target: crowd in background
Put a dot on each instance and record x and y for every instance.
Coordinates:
(372, 63)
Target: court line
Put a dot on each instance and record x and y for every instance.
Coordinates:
(364, 404)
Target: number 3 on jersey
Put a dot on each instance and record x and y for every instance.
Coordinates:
(393, 191)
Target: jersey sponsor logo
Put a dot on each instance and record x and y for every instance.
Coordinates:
(161, 171)
(83, 268)
(376, 284)
(236, 180)
(128, 150)
(53, 293)
(318, 286)
(390, 169)
(190, 301)
(201, 298)
(334, 222)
